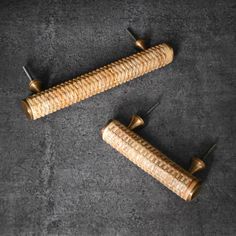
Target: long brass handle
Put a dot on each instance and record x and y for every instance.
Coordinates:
(97, 81)
(151, 160)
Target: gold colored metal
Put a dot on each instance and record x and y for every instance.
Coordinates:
(97, 81)
(135, 122)
(151, 160)
(196, 165)
(35, 85)
(27, 110)
(139, 43)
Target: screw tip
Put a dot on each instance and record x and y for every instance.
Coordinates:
(131, 33)
(210, 150)
(153, 107)
(26, 72)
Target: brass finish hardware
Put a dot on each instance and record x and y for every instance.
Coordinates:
(135, 122)
(35, 86)
(151, 160)
(139, 43)
(198, 164)
(97, 81)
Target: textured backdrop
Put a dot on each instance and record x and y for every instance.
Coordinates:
(57, 176)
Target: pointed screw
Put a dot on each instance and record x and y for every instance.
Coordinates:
(197, 163)
(137, 120)
(34, 85)
(139, 43)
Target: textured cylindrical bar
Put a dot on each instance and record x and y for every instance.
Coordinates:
(151, 160)
(97, 81)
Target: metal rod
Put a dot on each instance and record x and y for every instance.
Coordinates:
(209, 151)
(152, 108)
(131, 33)
(27, 73)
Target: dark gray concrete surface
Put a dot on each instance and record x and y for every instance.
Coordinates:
(57, 176)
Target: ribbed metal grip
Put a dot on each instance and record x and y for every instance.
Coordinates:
(150, 159)
(97, 81)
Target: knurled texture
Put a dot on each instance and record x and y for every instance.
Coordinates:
(99, 80)
(150, 159)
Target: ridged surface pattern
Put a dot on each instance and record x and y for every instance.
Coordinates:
(97, 81)
(150, 159)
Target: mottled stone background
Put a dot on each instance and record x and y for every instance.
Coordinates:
(57, 177)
